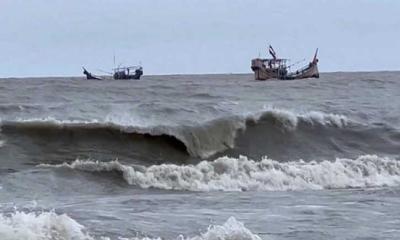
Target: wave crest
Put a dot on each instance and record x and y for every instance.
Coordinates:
(243, 174)
(290, 120)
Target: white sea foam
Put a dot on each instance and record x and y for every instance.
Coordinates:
(41, 226)
(52, 226)
(243, 174)
(230, 230)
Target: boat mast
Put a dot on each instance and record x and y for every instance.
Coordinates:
(114, 59)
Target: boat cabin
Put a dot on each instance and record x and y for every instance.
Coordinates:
(273, 67)
(133, 72)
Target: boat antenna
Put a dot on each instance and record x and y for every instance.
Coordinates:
(114, 59)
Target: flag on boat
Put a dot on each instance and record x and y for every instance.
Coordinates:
(272, 51)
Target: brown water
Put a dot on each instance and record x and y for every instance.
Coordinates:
(171, 155)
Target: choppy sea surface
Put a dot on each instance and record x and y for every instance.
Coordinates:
(201, 157)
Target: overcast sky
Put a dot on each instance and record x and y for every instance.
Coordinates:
(57, 37)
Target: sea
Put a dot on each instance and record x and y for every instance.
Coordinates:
(201, 157)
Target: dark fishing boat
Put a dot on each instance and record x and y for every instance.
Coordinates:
(90, 76)
(126, 73)
(276, 68)
(120, 73)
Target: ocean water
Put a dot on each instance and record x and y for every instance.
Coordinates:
(201, 157)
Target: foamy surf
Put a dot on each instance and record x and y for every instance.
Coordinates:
(243, 174)
(230, 230)
(200, 139)
(40, 226)
(52, 226)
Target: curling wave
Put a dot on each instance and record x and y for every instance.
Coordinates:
(52, 226)
(242, 174)
(199, 140)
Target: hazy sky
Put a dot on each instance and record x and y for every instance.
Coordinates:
(57, 37)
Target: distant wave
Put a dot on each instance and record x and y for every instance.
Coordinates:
(52, 226)
(242, 174)
(200, 140)
(6, 108)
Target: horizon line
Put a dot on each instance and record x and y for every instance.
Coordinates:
(188, 74)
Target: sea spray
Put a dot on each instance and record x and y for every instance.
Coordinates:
(40, 226)
(230, 230)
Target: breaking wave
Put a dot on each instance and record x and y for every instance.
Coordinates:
(230, 230)
(290, 120)
(243, 174)
(40, 226)
(52, 226)
(199, 140)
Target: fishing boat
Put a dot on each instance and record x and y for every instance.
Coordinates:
(126, 73)
(119, 73)
(277, 68)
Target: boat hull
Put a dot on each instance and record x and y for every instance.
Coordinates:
(309, 72)
(262, 72)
